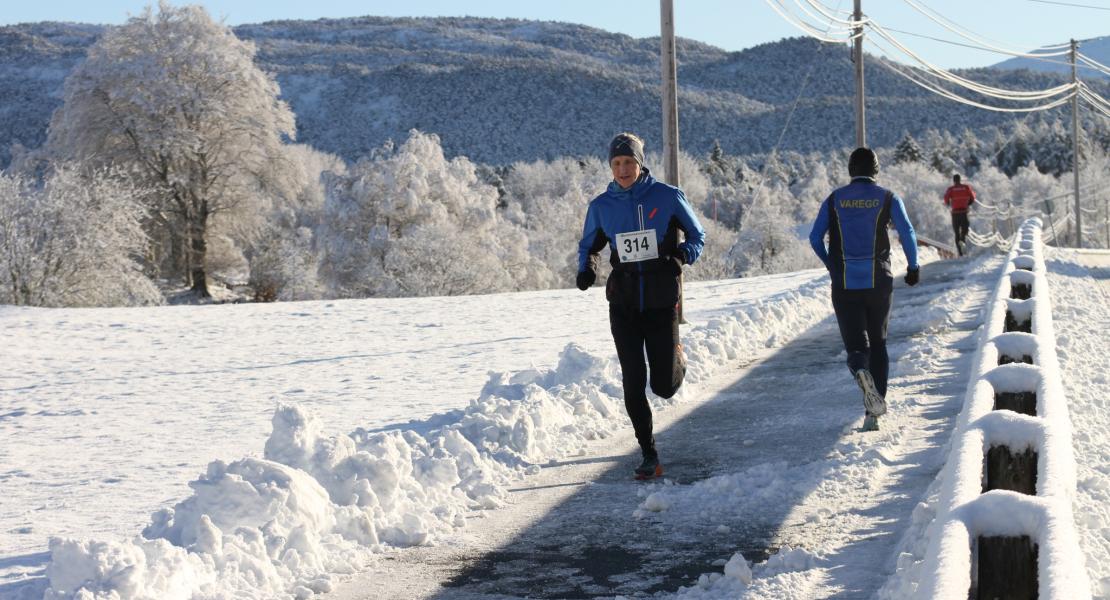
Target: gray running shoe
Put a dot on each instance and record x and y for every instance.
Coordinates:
(873, 401)
(870, 423)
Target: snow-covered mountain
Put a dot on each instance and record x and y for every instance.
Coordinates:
(1097, 48)
(505, 90)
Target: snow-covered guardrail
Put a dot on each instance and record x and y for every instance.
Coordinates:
(1004, 525)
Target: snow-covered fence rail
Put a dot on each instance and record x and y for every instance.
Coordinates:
(945, 250)
(1004, 525)
(1056, 228)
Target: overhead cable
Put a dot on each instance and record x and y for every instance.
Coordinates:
(986, 90)
(953, 96)
(812, 31)
(951, 26)
(1071, 4)
(1090, 95)
(824, 10)
(1094, 64)
(1095, 101)
(786, 124)
(1051, 61)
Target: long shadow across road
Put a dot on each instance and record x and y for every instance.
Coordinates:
(787, 409)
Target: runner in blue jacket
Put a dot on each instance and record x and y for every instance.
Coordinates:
(856, 217)
(638, 218)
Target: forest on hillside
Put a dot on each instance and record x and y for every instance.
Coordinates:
(168, 180)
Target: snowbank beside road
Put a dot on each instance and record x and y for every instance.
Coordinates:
(316, 506)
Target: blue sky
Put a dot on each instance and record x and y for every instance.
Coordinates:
(729, 24)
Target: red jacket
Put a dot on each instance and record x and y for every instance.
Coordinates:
(959, 197)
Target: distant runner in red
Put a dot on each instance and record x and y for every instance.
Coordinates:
(959, 198)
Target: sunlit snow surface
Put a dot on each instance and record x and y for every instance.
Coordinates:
(107, 415)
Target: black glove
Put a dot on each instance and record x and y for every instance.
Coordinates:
(912, 276)
(585, 279)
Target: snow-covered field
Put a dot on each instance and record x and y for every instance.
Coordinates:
(340, 429)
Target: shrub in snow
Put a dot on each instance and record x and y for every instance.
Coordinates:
(548, 200)
(409, 222)
(73, 241)
(281, 243)
(285, 266)
(769, 241)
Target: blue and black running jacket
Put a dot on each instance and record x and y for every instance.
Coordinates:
(647, 205)
(856, 218)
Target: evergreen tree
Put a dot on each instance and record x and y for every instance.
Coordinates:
(1017, 153)
(907, 150)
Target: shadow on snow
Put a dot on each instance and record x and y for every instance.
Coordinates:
(773, 413)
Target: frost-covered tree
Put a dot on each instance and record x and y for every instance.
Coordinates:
(285, 266)
(716, 261)
(548, 200)
(1039, 191)
(812, 190)
(908, 150)
(728, 184)
(1051, 146)
(769, 240)
(176, 99)
(74, 240)
(1094, 180)
(1015, 151)
(922, 191)
(282, 247)
(971, 149)
(409, 222)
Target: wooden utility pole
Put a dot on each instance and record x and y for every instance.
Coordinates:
(1075, 145)
(667, 56)
(861, 123)
(670, 93)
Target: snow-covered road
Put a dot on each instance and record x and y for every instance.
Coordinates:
(766, 460)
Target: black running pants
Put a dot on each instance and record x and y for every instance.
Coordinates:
(960, 227)
(656, 332)
(863, 317)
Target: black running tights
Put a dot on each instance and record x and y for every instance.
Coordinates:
(656, 331)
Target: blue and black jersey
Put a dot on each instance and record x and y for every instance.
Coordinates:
(647, 205)
(856, 217)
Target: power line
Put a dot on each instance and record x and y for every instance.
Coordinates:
(985, 49)
(824, 10)
(916, 79)
(1043, 99)
(942, 74)
(986, 90)
(811, 30)
(1093, 64)
(970, 35)
(1071, 4)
